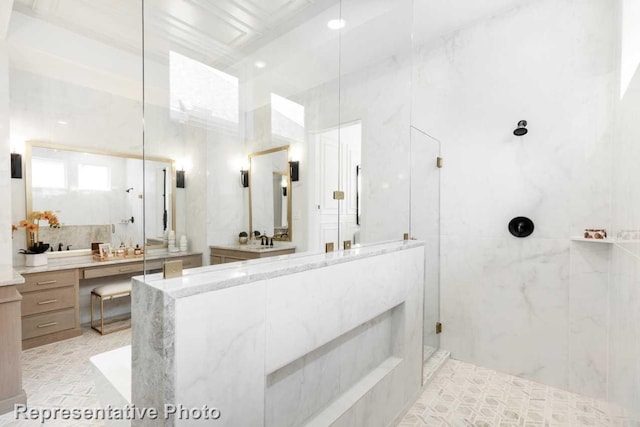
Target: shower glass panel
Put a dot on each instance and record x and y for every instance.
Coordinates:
(223, 82)
(374, 119)
(425, 174)
(425, 225)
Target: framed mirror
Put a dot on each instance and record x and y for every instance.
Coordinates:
(98, 196)
(270, 193)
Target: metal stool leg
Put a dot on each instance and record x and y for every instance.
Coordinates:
(91, 298)
(101, 316)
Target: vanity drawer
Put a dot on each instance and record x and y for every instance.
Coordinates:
(113, 270)
(51, 300)
(47, 323)
(49, 280)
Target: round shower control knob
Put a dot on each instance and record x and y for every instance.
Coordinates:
(521, 226)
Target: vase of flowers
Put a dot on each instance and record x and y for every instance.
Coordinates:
(35, 254)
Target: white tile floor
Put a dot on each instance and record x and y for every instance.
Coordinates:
(60, 375)
(459, 394)
(462, 394)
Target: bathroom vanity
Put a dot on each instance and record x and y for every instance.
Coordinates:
(51, 293)
(11, 391)
(233, 253)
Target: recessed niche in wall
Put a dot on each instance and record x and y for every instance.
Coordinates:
(313, 388)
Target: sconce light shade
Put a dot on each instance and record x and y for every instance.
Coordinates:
(294, 170)
(244, 178)
(180, 179)
(16, 166)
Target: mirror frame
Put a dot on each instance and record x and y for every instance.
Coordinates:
(286, 173)
(42, 144)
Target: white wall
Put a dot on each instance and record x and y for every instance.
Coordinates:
(378, 97)
(5, 163)
(507, 303)
(624, 297)
(100, 97)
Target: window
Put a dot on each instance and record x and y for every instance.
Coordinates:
(47, 173)
(201, 93)
(287, 118)
(91, 177)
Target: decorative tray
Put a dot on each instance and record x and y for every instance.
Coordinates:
(117, 257)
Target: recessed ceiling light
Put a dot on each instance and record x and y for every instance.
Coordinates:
(62, 122)
(260, 64)
(336, 24)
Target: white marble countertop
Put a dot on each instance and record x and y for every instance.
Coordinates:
(9, 276)
(211, 278)
(256, 247)
(88, 261)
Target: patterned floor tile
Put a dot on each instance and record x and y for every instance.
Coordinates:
(60, 375)
(461, 394)
(458, 394)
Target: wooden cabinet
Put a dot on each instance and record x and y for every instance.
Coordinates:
(50, 309)
(11, 391)
(222, 255)
(50, 300)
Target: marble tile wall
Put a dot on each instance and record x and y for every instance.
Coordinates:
(514, 304)
(78, 236)
(624, 331)
(589, 289)
(624, 296)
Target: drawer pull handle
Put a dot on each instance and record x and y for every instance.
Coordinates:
(46, 325)
(48, 282)
(51, 301)
(125, 270)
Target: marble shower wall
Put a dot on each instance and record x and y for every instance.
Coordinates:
(624, 297)
(522, 305)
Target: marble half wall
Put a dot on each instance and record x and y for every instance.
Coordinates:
(331, 339)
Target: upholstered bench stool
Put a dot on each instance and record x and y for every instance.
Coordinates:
(108, 292)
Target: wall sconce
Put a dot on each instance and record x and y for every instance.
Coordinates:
(244, 178)
(16, 165)
(294, 170)
(180, 179)
(284, 184)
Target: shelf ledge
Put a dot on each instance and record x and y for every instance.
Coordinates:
(582, 239)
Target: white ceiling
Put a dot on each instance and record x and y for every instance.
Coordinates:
(291, 36)
(223, 31)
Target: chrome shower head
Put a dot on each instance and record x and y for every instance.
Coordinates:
(522, 128)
